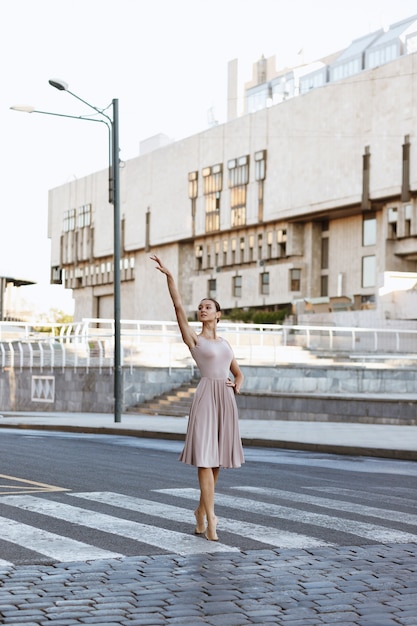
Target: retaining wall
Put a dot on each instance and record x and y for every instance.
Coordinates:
(322, 393)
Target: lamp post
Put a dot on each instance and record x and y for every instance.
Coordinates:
(112, 124)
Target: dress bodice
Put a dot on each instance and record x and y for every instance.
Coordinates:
(213, 357)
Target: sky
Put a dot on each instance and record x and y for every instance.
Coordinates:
(165, 60)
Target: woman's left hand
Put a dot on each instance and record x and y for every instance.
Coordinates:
(232, 384)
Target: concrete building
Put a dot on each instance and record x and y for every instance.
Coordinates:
(308, 205)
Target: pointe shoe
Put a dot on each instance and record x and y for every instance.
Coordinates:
(201, 528)
(211, 534)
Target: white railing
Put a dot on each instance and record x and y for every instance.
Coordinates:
(147, 343)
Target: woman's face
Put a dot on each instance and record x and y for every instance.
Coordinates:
(207, 311)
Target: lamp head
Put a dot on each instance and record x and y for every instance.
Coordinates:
(24, 108)
(58, 84)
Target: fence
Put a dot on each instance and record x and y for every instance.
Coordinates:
(158, 344)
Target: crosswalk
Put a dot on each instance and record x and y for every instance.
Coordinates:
(50, 520)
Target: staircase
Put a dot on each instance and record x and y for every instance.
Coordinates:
(175, 403)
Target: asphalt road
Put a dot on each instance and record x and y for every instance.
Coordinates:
(99, 529)
(74, 497)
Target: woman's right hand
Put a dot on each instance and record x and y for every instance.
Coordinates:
(160, 266)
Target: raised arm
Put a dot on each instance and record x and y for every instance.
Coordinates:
(188, 334)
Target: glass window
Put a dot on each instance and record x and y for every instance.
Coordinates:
(260, 165)
(69, 220)
(408, 213)
(368, 271)
(237, 286)
(212, 288)
(193, 185)
(324, 286)
(238, 180)
(392, 214)
(295, 279)
(392, 222)
(369, 231)
(84, 216)
(212, 186)
(265, 283)
(324, 253)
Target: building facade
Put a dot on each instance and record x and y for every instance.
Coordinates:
(310, 201)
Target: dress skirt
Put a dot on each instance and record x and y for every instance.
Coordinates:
(213, 438)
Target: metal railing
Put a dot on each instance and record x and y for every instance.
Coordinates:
(146, 343)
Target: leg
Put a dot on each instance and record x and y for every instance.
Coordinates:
(207, 477)
(200, 512)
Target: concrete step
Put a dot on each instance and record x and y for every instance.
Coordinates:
(175, 403)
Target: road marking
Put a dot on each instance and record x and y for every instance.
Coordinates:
(25, 486)
(54, 546)
(263, 534)
(402, 496)
(339, 505)
(360, 529)
(169, 540)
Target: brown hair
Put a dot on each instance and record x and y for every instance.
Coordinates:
(216, 304)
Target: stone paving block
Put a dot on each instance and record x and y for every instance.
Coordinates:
(225, 620)
(379, 620)
(59, 622)
(148, 620)
(347, 617)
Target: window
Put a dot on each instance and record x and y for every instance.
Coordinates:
(324, 253)
(269, 243)
(260, 246)
(392, 222)
(225, 247)
(295, 279)
(192, 194)
(193, 185)
(147, 230)
(260, 165)
(234, 250)
(251, 246)
(260, 175)
(199, 257)
(242, 249)
(216, 253)
(408, 210)
(368, 271)
(212, 288)
(84, 216)
(324, 286)
(69, 220)
(237, 286)
(212, 186)
(264, 283)
(282, 242)
(411, 43)
(369, 230)
(238, 181)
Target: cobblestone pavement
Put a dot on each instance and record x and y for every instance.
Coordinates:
(373, 585)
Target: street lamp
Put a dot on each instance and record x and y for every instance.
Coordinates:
(112, 123)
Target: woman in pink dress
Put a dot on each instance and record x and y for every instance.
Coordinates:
(212, 440)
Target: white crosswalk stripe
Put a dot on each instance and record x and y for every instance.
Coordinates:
(169, 540)
(339, 505)
(368, 530)
(263, 534)
(54, 546)
(156, 533)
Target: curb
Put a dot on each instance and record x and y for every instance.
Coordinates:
(404, 455)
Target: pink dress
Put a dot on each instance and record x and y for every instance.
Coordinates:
(213, 438)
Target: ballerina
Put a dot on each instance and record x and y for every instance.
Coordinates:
(212, 440)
